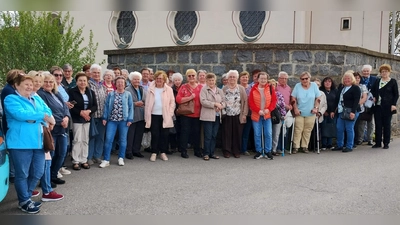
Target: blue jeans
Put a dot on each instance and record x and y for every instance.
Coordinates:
(210, 135)
(246, 134)
(59, 154)
(326, 141)
(348, 126)
(45, 181)
(263, 126)
(29, 167)
(96, 143)
(111, 129)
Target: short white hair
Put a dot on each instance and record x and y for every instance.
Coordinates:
(125, 70)
(282, 73)
(177, 76)
(367, 66)
(95, 66)
(225, 75)
(233, 72)
(109, 71)
(135, 74)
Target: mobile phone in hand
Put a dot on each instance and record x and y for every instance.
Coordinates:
(73, 102)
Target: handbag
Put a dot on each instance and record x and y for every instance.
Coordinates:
(48, 142)
(186, 108)
(345, 115)
(289, 119)
(370, 101)
(275, 116)
(328, 130)
(93, 128)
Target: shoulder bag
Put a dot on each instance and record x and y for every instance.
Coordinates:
(48, 142)
(187, 107)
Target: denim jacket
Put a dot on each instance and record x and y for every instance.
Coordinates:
(127, 105)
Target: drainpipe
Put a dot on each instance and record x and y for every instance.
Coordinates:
(394, 20)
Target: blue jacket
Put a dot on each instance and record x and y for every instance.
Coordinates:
(127, 105)
(25, 122)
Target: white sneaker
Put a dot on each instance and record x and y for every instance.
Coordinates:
(64, 171)
(59, 175)
(121, 162)
(104, 163)
(153, 157)
(163, 157)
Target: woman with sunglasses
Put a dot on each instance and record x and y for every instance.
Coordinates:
(305, 101)
(190, 124)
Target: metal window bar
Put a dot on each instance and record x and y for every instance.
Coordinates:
(251, 22)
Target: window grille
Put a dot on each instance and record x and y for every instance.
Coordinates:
(252, 22)
(126, 25)
(185, 23)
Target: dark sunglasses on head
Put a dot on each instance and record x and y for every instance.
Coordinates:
(57, 75)
(305, 78)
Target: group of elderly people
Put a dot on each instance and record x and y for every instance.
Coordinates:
(96, 109)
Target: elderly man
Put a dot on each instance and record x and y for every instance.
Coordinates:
(286, 91)
(368, 81)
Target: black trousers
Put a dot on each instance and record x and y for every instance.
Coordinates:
(383, 122)
(159, 135)
(190, 127)
(134, 139)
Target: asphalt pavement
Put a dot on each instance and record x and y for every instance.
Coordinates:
(363, 182)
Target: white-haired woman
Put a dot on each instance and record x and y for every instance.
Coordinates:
(136, 129)
(348, 97)
(174, 137)
(235, 118)
(108, 81)
(96, 143)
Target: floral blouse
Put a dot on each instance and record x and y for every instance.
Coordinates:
(232, 99)
(116, 113)
(280, 104)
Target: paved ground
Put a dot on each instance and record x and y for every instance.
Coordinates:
(365, 181)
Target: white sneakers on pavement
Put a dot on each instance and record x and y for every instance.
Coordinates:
(104, 163)
(121, 162)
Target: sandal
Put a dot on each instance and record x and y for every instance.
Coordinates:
(85, 166)
(76, 167)
(206, 158)
(214, 157)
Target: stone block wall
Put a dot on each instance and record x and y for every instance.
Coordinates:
(319, 60)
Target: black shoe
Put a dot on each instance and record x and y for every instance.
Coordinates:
(53, 185)
(337, 148)
(168, 152)
(198, 155)
(258, 155)
(147, 149)
(385, 146)
(11, 179)
(184, 155)
(370, 143)
(138, 154)
(347, 150)
(377, 146)
(269, 156)
(359, 143)
(58, 181)
(129, 157)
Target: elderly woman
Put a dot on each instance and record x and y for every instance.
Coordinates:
(321, 110)
(136, 129)
(174, 138)
(305, 101)
(85, 105)
(108, 81)
(211, 98)
(329, 89)
(262, 101)
(244, 82)
(50, 95)
(276, 128)
(224, 80)
(358, 128)
(386, 94)
(347, 99)
(96, 142)
(117, 115)
(190, 123)
(26, 113)
(236, 112)
(201, 76)
(159, 110)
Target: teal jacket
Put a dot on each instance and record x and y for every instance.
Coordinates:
(127, 106)
(25, 121)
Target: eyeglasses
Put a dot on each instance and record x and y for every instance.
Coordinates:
(48, 82)
(57, 75)
(190, 75)
(305, 78)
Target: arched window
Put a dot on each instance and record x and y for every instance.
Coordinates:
(250, 25)
(123, 25)
(183, 25)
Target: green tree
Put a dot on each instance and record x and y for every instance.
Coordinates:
(394, 19)
(31, 40)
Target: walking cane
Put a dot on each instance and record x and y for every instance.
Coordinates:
(317, 123)
(283, 137)
(291, 139)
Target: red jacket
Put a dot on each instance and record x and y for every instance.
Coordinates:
(255, 101)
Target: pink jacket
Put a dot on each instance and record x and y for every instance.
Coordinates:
(168, 105)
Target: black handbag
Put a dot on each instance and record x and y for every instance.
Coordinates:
(275, 116)
(329, 130)
(345, 115)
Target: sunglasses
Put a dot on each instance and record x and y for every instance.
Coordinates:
(57, 75)
(191, 75)
(305, 78)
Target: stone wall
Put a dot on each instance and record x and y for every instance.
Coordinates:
(319, 60)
